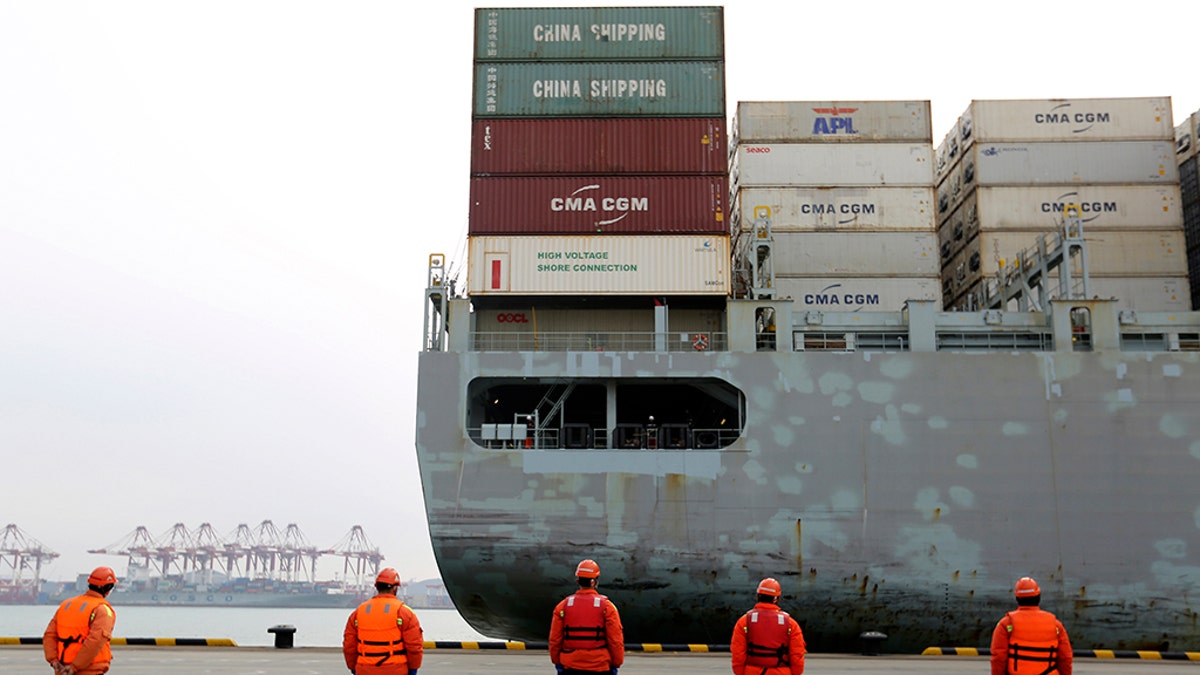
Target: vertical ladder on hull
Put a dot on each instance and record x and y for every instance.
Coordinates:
(436, 293)
(756, 255)
(1027, 279)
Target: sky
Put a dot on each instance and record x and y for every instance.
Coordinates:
(216, 219)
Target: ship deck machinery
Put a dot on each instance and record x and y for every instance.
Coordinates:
(895, 471)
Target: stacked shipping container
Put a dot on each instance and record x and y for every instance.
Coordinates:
(847, 188)
(1187, 151)
(598, 161)
(1008, 168)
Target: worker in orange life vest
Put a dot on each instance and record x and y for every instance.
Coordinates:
(1030, 641)
(383, 636)
(766, 641)
(586, 635)
(76, 641)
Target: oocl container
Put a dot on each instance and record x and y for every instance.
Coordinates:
(527, 205)
(1079, 119)
(827, 165)
(831, 121)
(668, 145)
(1113, 162)
(859, 209)
(599, 33)
(598, 265)
(600, 88)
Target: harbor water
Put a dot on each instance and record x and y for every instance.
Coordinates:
(246, 626)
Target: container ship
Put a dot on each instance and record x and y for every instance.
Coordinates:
(894, 376)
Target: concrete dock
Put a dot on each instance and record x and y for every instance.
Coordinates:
(27, 660)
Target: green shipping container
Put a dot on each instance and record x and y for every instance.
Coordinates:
(600, 34)
(594, 89)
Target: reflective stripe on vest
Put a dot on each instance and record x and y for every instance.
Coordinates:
(1032, 643)
(73, 620)
(583, 622)
(380, 635)
(766, 638)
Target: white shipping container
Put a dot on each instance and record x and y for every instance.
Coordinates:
(828, 165)
(1111, 162)
(856, 293)
(598, 265)
(1187, 138)
(1058, 119)
(831, 121)
(1145, 294)
(1102, 207)
(862, 209)
(859, 254)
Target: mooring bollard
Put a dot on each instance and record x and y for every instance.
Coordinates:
(872, 642)
(284, 636)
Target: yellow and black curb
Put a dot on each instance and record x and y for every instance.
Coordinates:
(137, 642)
(648, 647)
(1079, 653)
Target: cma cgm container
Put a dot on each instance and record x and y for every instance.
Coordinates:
(831, 121)
(1187, 138)
(565, 205)
(1145, 294)
(1101, 207)
(862, 209)
(865, 254)
(658, 145)
(850, 293)
(1114, 162)
(598, 265)
(822, 165)
(600, 89)
(599, 33)
(1079, 119)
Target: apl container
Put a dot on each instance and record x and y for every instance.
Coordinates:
(600, 89)
(643, 145)
(599, 33)
(1111, 162)
(847, 294)
(841, 209)
(558, 205)
(598, 265)
(832, 121)
(1079, 119)
(832, 165)
(859, 254)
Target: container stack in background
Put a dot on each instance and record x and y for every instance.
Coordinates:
(848, 189)
(1187, 152)
(1008, 167)
(598, 161)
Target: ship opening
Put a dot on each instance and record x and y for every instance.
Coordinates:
(581, 414)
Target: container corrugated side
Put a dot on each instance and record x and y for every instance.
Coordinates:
(564, 205)
(528, 317)
(1079, 119)
(862, 209)
(1145, 294)
(598, 265)
(1187, 138)
(600, 88)
(832, 121)
(644, 145)
(1112, 162)
(858, 254)
(599, 33)
(1101, 207)
(829, 165)
(855, 293)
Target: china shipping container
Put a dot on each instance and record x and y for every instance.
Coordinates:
(564, 205)
(828, 165)
(859, 254)
(1187, 138)
(600, 89)
(860, 209)
(1063, 119)
(599, 33)
(598, 265)
(832, 122)
(642, 145)
(844, 294)
(1114, 162)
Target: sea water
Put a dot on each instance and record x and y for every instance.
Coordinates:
(246, 626)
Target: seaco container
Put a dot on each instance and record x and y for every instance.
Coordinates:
(862, 209)
(832, 121)
(565, 205)
(825, 165)
(1059, 119)
(658, 145)
(598, 265)
(599, 33)
(600, 89)
(1114, 162)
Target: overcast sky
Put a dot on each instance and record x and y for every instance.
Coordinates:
(215, 220)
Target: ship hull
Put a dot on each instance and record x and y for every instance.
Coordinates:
(898, 492)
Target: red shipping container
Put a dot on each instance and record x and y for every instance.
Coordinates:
(596, 146)
(598, 205)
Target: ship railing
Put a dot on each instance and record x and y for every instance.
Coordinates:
(991, 341)
(586, 437)
(599, 341)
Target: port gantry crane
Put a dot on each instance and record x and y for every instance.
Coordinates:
(21, 560)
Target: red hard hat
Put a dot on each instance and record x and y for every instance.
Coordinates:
(588, 569)
(1026, 587)
(389, 576)
(102, 576)
(769, 587)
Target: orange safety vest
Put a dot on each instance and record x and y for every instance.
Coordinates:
(1032, 643)
(583, 622)
(380, 639)
(73, 620)
(766, 638)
